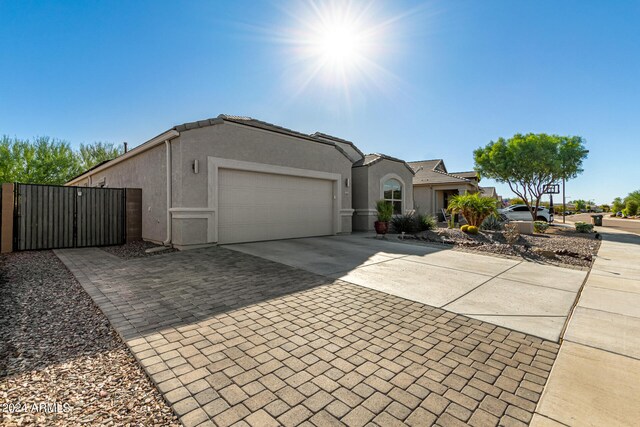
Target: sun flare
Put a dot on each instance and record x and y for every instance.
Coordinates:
(337, 44)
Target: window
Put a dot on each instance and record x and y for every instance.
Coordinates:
(521, 209)
(393, 193)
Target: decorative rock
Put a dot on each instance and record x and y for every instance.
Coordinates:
(544, 252)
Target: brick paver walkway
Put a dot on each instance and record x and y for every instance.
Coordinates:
(233, 339)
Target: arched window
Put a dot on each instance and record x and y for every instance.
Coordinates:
(392, 192)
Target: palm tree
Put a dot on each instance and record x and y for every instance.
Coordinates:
(473, 207)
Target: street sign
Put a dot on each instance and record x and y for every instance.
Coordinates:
(552, 189)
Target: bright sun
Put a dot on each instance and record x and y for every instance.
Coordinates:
(338, 43)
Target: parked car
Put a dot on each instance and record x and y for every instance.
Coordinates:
(521, 213)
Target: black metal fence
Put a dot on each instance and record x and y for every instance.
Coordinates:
(51, 217)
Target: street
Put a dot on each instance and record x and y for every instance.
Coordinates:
(630, 225)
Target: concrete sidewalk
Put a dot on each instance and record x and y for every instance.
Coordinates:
(596, 377)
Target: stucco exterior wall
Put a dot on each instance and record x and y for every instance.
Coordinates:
(242, 143)
(237, 142)
(146, 171)
(360, 191)
(368, 190)
(423, 199)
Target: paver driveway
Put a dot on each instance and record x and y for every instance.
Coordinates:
(232, 338)
(526, 296)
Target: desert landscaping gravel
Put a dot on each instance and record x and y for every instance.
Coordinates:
(561, 246)
(136, 249)
(61, 362)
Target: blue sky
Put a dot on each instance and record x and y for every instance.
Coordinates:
(441, 78)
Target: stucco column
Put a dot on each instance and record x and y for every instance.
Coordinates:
(6, 227)
(133, 207)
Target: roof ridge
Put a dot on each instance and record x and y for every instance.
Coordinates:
(451, 175)
(251, 119)
(322, 135)
(427, 160)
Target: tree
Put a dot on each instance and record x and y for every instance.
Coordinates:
(43, 161)
(473, 207)
(98, 152)
(634, 195)
(515, 201)
(527, 163)
(617, 205)
(580, 204)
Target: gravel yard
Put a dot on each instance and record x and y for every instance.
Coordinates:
(559, 245)
(135, 250)
(57, 347)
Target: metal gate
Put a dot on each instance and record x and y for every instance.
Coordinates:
(51, 217)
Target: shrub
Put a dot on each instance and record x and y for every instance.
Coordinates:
(583, 227)
(624, 213)
(632, 207)
(404, 223)
(464, 228)
(492, 222)
(617, 205)
(473, 207)
(472, 229)
(540, 226)
(425, 222)
(385, 210)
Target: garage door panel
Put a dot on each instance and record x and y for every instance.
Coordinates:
(256, 206)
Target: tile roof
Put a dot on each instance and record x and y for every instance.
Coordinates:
(435, 172)
(372, 159)
(488, 191)
(347, 145)
(468, 175)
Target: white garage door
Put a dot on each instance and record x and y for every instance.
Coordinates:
(256, 206)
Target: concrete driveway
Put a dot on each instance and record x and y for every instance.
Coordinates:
(525, 296)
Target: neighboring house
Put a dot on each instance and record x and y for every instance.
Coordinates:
(433, 185)
(489, 192)
(236, 179)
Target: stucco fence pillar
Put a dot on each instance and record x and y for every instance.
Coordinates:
(133, 214)
(6, 218)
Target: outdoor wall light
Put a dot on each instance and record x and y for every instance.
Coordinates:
(347, 182)
(195, 167)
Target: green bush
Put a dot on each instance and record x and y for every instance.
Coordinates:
(385, 210)
(473, 207)
(617, 205)
(583, 227)
(632, 207)
(624, 213)
(404, 223)
(464, 228)
(540, 226)
(492, 223)
(472, 229)
(425, 222)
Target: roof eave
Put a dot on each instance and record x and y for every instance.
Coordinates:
(153, 142)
